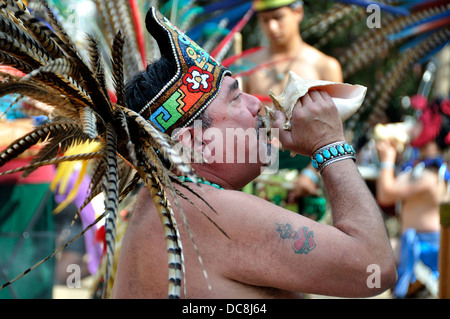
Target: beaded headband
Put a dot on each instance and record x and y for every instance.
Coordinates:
(195, 84)
(263, 5)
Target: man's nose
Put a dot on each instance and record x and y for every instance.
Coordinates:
(254, 104)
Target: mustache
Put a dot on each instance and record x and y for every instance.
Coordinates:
(259, 123)
(258, 126)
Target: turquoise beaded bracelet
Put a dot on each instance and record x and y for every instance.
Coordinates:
(332, 153)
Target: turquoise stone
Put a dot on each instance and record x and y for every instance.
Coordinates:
(200, 181)
(314, 164)
(347, 148)
(333, 151)
(319, 158)
(340, 149)
(326, 154)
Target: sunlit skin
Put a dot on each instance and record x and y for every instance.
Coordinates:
(288, 52)
(257, 260)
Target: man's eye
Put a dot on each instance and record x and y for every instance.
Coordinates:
(237, 97)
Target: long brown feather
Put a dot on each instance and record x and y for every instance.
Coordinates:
(65, 42)
(96, 62)
(54, 161)
(34, 92)
(28, 44)
(10, 60)
(131, 51)
(378, 98)
(117, 62)
(36, 28)
(89, 120)
(101, 102)
(59, 143)
(18, 50)
(59, 66)
(172, 239)
(110, 186)
(39, 134)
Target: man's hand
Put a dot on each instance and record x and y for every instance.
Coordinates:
(315, 123)
(386, 151)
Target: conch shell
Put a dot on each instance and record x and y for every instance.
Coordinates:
(347, 97)
(397, 133)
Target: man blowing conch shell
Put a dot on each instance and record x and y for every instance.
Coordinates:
(268, 251)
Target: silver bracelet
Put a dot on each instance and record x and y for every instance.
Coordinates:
(387, 165)
(332, 153)
(310, 174)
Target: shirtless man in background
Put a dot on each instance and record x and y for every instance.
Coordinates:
(280, 22)
(420, 189)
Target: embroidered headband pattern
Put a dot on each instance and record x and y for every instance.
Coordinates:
(195, 84)
(263, 5)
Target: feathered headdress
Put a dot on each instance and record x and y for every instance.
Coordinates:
(132, 151)
(434, 119)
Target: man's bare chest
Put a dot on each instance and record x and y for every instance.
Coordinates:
(273, 76)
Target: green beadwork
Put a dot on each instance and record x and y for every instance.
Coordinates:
(201, 181)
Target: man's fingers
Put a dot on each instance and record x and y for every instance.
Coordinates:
(306, 99)
(324, 95)
(285, 137)
(317, 96)
(279, 119)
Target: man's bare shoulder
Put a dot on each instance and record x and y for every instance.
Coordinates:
(229, 205)
(240, 198)
(328, 66)
(224, 199)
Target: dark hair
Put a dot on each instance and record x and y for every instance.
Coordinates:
(142, 87)
(442, 138)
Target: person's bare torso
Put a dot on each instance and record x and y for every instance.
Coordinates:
(273, 69)
(421, 212)
(143, 269)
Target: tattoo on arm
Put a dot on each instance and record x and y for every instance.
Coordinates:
(302, 239)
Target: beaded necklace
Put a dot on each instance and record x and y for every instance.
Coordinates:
(201, 181)
(436, 162)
